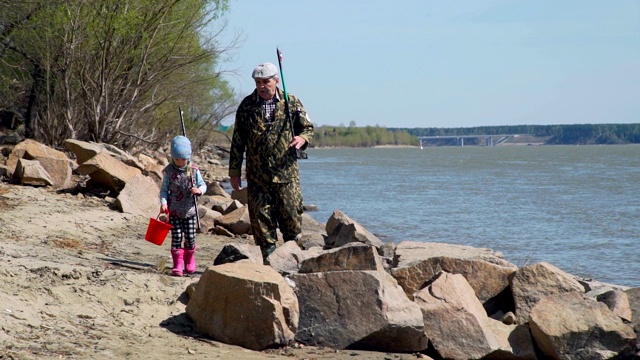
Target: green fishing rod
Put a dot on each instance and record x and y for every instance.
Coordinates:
(300, 154)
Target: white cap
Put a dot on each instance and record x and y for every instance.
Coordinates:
(264, 71)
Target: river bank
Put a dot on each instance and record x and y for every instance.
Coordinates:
(80, 282)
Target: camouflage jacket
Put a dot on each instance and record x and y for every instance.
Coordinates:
(266, 145)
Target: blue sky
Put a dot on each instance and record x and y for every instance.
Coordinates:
(463, 63)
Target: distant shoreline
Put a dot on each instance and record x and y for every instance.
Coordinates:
(395, 146)
(503, 144)
(366, 147)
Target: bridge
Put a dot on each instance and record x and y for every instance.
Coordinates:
(489, 140)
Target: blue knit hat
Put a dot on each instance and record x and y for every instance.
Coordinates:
(180, 148)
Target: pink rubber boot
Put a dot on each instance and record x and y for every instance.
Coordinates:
(190, 260)
(178, 261)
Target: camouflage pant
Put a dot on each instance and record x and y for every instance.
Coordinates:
(273, 206)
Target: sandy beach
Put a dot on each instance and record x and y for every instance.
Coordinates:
(80, 282)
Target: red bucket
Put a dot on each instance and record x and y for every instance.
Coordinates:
(157, 231)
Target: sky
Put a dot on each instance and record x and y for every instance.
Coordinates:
(462, 63)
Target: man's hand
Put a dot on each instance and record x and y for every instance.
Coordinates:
(298, 142)
(236, 182)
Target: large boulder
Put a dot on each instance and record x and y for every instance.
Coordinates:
(240, 195)
(514, 341)
(140, 196)
(633, 296)
(618, 302)
(286, 258)
(533, 283)
(214, 188)
(86, 150)
(82, 150)
(244, 304)
(352, 256)
(417, 262)
(123, 156)
(313, 233)
(237, 221)
(570, 326)
(357, 309)
(226, 206)
(341, 230)
(31, 172)
(152, 167)
(108, 171)
(454, 319)
(54, 162)
(458, 327)
(208, 219)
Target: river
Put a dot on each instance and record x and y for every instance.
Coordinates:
(576, 207)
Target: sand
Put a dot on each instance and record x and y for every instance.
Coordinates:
(80, 282)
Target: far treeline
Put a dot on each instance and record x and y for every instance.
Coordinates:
(580, 134)
(352, 136)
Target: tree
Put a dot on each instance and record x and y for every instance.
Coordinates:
(114, 71)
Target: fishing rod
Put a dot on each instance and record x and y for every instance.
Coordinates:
(300, 154)
(193, 174)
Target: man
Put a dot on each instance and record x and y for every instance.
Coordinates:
(262, 130)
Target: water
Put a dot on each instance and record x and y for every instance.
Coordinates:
(576, 207)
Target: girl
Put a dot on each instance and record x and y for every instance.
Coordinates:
(181, 184)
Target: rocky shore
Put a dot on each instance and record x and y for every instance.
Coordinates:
(80, 281)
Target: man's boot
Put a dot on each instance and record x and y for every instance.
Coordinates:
(295, 238)
(267, 250)
(178, 261)
(190, 260)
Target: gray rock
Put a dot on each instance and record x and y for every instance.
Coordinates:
(342, 230)
(362, 309)
(56, 163)
(454, 319)
(240, 195)
(570, 326)
(139, 197)
(108, 171)
(352, 256)
(244, 304)
(30, 172)
(237, 221)
(618, 302)
(534, 282)
(313, 233)
(285, 258)
(488, 275)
